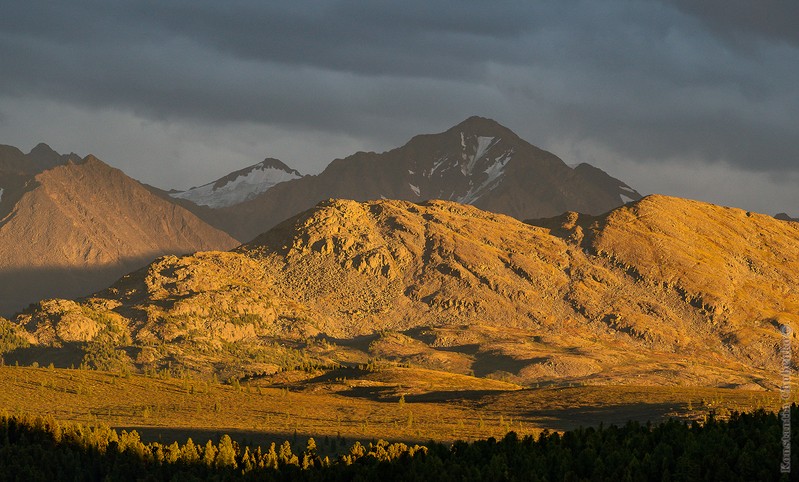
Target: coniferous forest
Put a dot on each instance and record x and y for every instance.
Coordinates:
(746, 447)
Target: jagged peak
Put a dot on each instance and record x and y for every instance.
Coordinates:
(91, 159)
(89, 165)
(479, 121)
(472, 127)
(241, 185)
(271, 162)
(268, 163)
(483, 126)
(43, 157)
(42, 148)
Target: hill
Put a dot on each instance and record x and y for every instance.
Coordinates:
(76, 226)
(662, 291)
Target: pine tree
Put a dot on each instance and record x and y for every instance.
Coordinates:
(271, 458)
(209, 454)
(188, 453)
(248, 461)
(226, 457)
(357, 450)
(285, 456)
(310, 447)
(172, 453)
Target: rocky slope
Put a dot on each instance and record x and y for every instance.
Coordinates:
(71, 229)
(17, 170)
(660, 291)
(477, 162)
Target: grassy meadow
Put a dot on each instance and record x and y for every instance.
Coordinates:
(403, 404)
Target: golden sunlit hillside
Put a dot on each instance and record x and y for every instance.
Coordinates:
(664, 291)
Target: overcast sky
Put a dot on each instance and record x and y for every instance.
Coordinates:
(695, 99)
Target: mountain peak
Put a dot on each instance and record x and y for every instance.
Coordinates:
(785, 217)
(42, 148)
(92, 160)
(272, 163)
(482, 126)
(241, 185)
(476, 119)
(43, 157)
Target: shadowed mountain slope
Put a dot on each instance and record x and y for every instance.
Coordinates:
(785, 217)
(76, 227)
(477, 162)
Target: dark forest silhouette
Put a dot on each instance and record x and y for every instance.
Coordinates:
(746, 447)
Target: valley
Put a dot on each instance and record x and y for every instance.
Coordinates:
(415, 322)
(352, 404)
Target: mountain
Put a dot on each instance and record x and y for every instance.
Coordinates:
(17, 169)
(785, 217)
(661, 291)
(241, 185)
(41, 157)
(73, 228)
(477, 162)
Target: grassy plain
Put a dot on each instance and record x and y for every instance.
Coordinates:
(395, 403)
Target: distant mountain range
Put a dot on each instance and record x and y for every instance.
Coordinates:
(70, 225)
(477, 162)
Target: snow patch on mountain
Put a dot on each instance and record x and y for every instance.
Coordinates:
(625, 199)
(493, 174)
(415, 189)
(483, 145)
(240, 186)
(437, 164)
(1, 194)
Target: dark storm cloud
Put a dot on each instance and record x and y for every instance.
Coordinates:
(649, 80)
(320, 65)
(740, 21)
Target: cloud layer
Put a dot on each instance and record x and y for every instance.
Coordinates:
(178, 92)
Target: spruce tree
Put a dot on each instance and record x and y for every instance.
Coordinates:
(226, 457)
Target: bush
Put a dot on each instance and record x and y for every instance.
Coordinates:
(10, 337)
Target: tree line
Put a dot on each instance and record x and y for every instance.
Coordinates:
(745, 447)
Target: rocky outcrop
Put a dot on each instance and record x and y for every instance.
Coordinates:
(660, 291)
